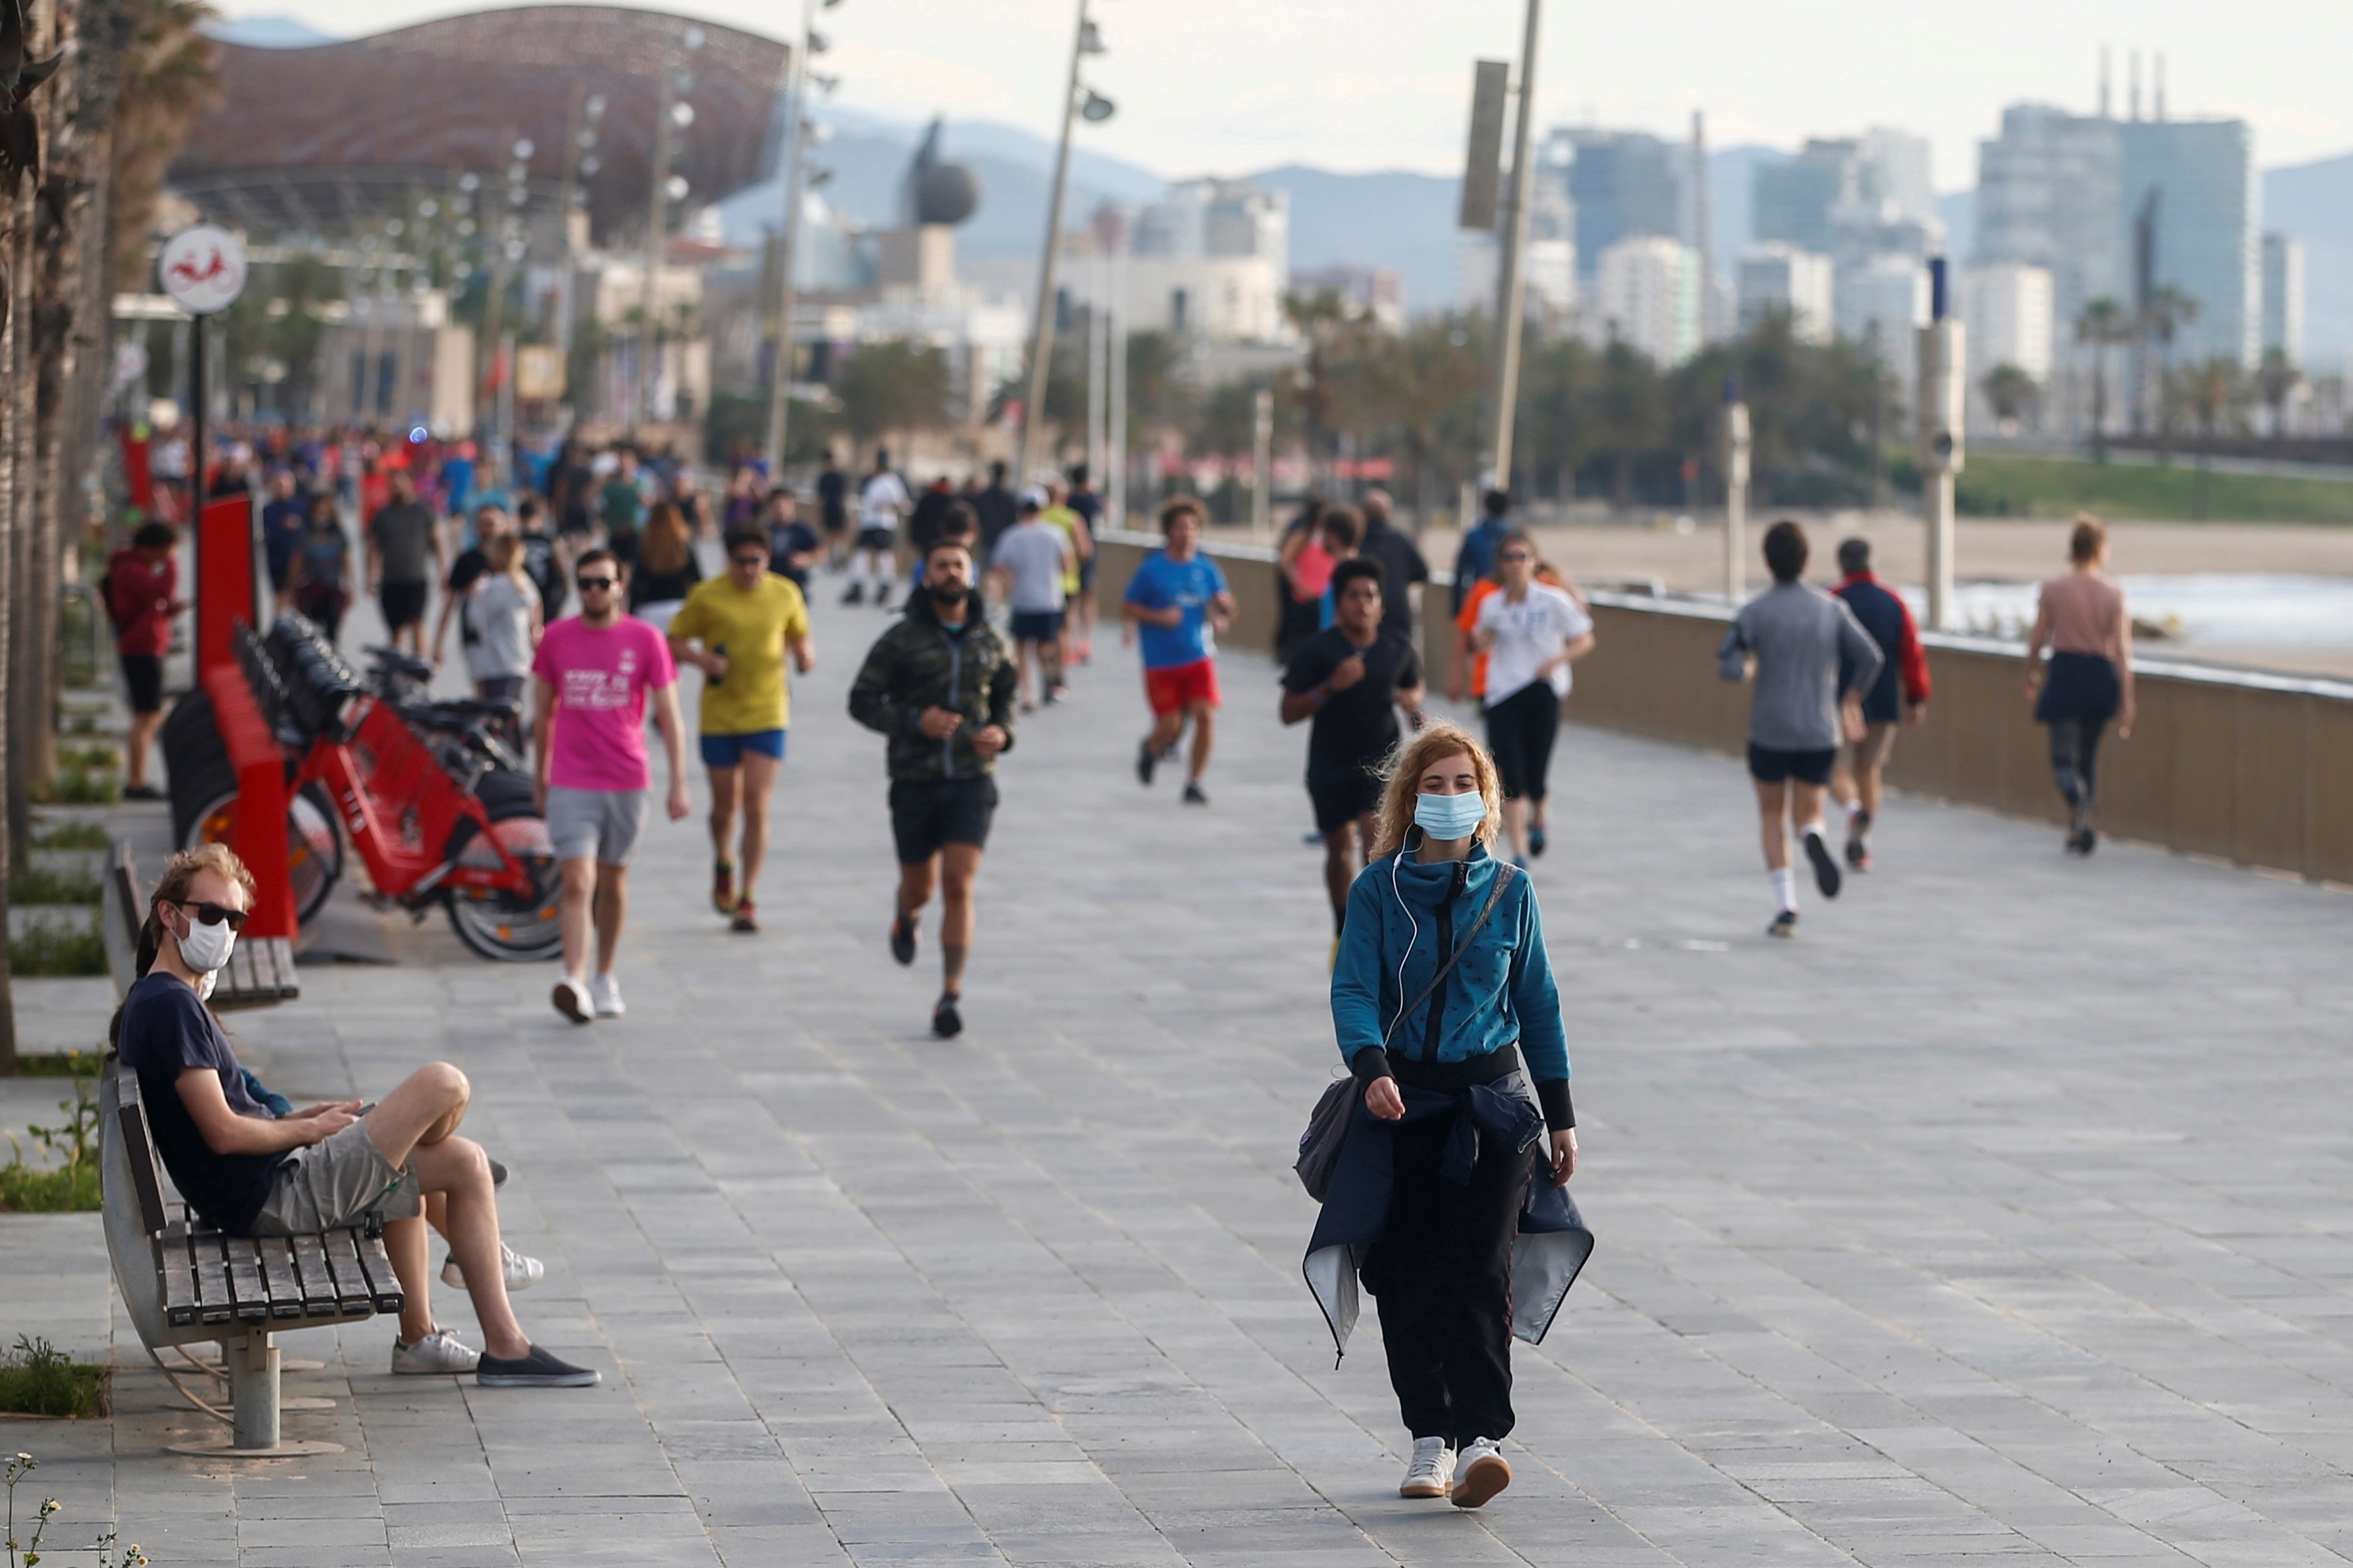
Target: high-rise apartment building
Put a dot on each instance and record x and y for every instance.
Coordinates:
(1548, 266)
(2008, 306)
(2074, 194)
(1620, 185)
(1776, 278)
(2192, 182)
(1898, 171)
(1791, 202)
(2283, 296)
(1646, 295)
(1225, 219)
(1884, 302)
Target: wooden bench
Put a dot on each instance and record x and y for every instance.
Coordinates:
(182, 1282)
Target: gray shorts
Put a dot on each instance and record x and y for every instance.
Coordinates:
(335, 1184)
(602, 823)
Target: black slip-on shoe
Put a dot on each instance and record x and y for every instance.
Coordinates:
(1826, 866)
(536, 1370)
(947, 1023)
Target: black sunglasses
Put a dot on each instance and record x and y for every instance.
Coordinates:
(214, 914)
(749, 560)
(589, 584)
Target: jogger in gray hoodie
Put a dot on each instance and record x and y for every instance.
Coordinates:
(1795, 636)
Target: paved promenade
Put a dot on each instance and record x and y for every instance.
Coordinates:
(2005, 1214)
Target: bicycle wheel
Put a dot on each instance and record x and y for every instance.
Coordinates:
(314, 849)
(500, 924)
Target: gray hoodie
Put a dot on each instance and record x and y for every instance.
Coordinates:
(1799, 633)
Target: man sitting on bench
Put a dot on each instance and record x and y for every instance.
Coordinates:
(326, 1166)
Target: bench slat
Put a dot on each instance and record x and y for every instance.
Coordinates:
(351, 1293)
(179, 1279)
(319, 1298)
(377, 1265)
(213, 1302)
(278, 1277)
(139, 1148)
(244, 1260)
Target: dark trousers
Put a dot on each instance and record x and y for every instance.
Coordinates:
(1443, 1278)
(2074, 759)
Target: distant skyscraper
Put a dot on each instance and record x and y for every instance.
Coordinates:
(2008, 306)
(1225, 219)
(2201, 175)
(1899, 172)
(1792, 202)
(2049, 195)
(1646, 295)
(2283, 296)
(1886, 301)
(1548, 265)
(1776, 277)
(1620, 184)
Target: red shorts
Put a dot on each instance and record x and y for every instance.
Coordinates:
(1177, 688)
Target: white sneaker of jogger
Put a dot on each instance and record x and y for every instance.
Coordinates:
(1483, 1472)
(1431, 1473)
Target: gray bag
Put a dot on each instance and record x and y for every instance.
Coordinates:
(1327, 1124)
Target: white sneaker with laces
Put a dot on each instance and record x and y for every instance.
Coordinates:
(439, 1353)
(605, 996)
(1483, 1472)
(522, 1272)
(1431, 1474)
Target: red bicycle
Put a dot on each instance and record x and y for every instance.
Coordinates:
(438, 808)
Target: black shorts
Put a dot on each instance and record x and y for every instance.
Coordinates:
(883, 539)
(927, 813)
(142, 673)
(836, 520)
(403, 604)
(1036, 626)
(1341, 798)
(1767, 765)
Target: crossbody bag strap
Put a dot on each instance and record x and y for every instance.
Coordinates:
(1504, 874)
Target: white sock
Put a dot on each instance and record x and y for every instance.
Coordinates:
(1784, 888)
(1814, 830)
(1854, 810)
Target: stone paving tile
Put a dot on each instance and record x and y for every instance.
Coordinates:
(2001, 1218)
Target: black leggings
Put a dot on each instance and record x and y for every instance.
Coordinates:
(2074, 759)
(1443, 1278)
(1520, 733)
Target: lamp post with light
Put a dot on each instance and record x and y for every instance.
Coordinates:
(1094, 109)
(797, 129)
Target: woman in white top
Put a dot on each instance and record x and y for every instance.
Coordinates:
(1530, 632)
(502, 612)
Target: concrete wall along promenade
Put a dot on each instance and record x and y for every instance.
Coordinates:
(2243, 767)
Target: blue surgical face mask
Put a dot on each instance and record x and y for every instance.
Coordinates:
(1449, 817)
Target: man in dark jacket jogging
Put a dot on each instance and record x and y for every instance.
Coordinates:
(941, 685)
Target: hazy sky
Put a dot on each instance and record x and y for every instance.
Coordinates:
(1226, 85)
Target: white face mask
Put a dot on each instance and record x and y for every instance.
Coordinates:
(206, 948)
(204, 985)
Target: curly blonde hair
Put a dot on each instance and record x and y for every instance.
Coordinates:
(1402, 774)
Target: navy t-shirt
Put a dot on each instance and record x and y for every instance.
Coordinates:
(166, 1031)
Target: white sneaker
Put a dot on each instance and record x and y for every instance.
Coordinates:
(572, 999)
(522, 1272)
(1431, 1474)
(605, 994)
(1484, 1472)
(439, 1353)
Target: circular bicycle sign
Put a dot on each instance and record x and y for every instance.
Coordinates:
(203, 268)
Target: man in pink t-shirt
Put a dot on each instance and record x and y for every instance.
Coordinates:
(592, 674)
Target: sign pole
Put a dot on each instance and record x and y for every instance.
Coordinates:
(195, 419)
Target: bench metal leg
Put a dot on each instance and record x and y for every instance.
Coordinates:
(253, 1370)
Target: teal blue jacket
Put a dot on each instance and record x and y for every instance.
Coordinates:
(1501, 990)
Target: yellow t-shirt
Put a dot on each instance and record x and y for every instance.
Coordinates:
(1066, 520)
(752, 628)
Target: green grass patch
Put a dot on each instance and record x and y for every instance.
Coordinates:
(68, 1186)
(2001, 484)
(96, 756)
(73, 835)
(46, 885)
(38, 1379)
(62, 1064)
(79, 787)
(44, 950)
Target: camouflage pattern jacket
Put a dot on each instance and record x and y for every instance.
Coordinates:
(917, 665)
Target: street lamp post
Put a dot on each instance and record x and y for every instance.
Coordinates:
(1084, 41)
(1943, 397)
(780, 379)
(1509, 281)
(1736, 491)
(673, 76)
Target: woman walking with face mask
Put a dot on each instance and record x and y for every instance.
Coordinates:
(1443, 1002)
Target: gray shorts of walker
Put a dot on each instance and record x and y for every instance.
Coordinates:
(334, 1184)
(599, 822)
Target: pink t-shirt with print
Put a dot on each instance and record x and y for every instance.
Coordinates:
(601, 679)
